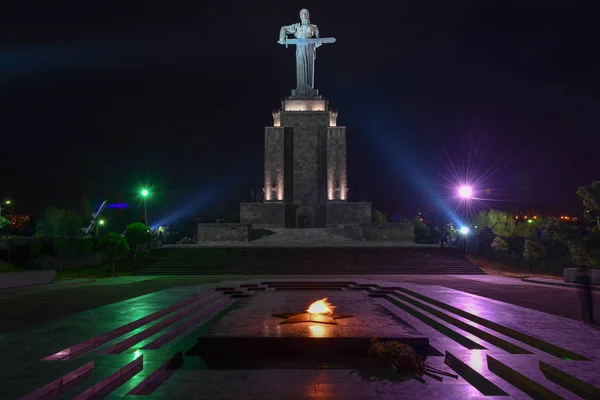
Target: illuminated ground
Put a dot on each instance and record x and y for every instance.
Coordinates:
(492, 331)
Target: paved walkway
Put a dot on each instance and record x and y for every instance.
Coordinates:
(50, 303)
(128, 344)
(556, 282)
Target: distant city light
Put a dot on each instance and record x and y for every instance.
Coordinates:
(530, 221)
(464, 230)
(7, 202)
(465, 192)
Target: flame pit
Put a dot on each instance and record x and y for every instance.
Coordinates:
(320, 312)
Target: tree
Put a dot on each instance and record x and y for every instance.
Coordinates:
(58, 222)
(533, 251)
(114, 246)
(421, 230)
(584, 250)
(590, 197)
(3, 221)
(379, 217)
(528, 229)
(499, 222)
(499, 245)
(136, 234)
(562, 232)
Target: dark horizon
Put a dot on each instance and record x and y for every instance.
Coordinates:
(100, 101)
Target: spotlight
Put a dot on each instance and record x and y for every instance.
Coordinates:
(465, 192)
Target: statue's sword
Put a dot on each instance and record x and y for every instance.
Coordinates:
(310, 40)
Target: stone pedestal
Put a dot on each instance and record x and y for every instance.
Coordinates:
(268, 214)
(342, 213)
(305, 170)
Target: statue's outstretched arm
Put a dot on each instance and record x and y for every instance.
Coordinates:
(284, 31)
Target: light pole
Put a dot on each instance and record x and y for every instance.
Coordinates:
(145, 193)
(5, 202)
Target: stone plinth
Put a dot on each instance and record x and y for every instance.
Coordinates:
(223, 232)
(250, 337)
(268, 214)
(306, 179)
(309, 170)
(396, 232)
(342, 213)
(255, 317)
(574, 275)
(28, 278)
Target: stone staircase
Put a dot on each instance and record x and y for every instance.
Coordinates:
(317, 260)
(303, 237)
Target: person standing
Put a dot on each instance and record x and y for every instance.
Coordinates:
(586, 297)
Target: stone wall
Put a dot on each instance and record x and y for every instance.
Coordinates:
(268, 215)
(352, 232)
(223, 232)
(335, 145)
(341, 213)
(308, 163)
(29, 278)
(278, 163)
(396, 232)
(573, 275)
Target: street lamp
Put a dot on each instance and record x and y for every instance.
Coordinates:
(464, 230)
(7, 202)
(145, 193)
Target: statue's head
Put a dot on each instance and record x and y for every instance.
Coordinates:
(304, 15)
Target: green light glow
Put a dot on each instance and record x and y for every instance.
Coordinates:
(145, 192)
(530, 221)
(101, 222)
(7, 202)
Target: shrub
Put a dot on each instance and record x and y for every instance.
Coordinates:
(114, 246)
(35, 248)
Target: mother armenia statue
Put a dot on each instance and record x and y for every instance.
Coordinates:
(307, 40)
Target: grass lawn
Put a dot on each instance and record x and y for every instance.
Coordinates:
(5, 267)
(122, 268)
(490, 267)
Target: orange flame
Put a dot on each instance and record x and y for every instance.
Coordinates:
(321, 307)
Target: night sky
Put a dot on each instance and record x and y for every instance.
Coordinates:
(100, 98)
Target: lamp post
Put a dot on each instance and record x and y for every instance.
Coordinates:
(145, 193)
(5, 202)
